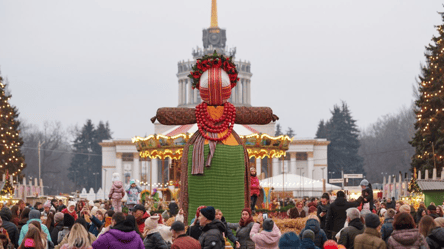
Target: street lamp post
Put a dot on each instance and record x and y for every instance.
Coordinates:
(303, 185)
(312, 181)
(96, 174)
(331, 173)
(300, 183)
(104, 187)
(40, 145)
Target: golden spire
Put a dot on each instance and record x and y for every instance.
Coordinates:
(213, 14)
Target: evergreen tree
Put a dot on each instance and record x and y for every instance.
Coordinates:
(88, 155)
(290, 132)
(429, 137)
(278, 130)
(11, 158)
(322, 129)
(342, 132)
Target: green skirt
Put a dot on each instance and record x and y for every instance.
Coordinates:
(221, 185)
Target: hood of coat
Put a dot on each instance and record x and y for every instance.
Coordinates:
(357, 223)
(124, 237)
(270, 238)
(406, 236)
(313, 225)
(118, 184)
(6, 214)
(215, 224)
(34, 214)
(437, 235)
(307, 243)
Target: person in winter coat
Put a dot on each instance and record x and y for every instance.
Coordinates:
(289, 241)
(367, 194)
(387, 227)
(212, 229)
(68, 222)
(308, 240)
(153, 239)
(405, 234)
(371, 238)
(116, 193)
(11, 228)
(320, 236)
(120, 235)
(322, 210)
(431, 210)
(173, 208)
(391, 203)
(355, 227)
(195, 230)
(267, 238)
(421, 212)
(97, 221)
(58, 226)
(228, 234)
(243, 229)
(336, 214)
(133, 194)
(433, 233)
(141, 215)
(254, 188)
(71, 210)
(298, 211)
(33, 215)
(181, 239)
(78, 238)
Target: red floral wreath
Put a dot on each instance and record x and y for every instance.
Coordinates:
(217, 61)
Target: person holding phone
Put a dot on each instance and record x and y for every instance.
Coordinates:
(243, 229)
(269, 236)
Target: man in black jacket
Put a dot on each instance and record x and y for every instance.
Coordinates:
(336, 214)
(13, 232)
(322, 211)
(212, 230)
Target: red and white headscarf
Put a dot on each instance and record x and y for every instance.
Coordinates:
(215, 86)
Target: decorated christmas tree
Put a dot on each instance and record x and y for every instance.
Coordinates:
(8, 189)
(11, 158)
(413, 187)
(429, 137)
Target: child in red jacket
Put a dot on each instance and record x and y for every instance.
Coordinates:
(254, 187)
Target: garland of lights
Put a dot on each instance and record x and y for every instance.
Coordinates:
(216, 61)
(206, 123)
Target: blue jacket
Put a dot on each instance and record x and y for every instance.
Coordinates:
(26, 227)
(95, 225)
(320, 236)
(308, 244)
(387, 229)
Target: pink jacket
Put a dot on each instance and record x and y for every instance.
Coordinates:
(254, 185)
(117, 191)
(264, 239)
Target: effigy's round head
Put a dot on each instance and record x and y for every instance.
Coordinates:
(214, 76)
(215, 86)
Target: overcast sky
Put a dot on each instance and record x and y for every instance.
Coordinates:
(116, 61)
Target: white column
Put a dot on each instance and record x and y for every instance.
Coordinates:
(310, 165)
(119, 165)
(275, 165)
(233, 94)
(190, 93)
(293, 169)
(244, 92)
(154, 171)
(249, 92)
(389, 182)
(179, 101)
(184, 92)
(196, 92)
(136, 168)
(239, 94)
(258, 166)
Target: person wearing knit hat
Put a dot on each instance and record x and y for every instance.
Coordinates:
(313, 224)
(34, 215)
(330, 244)
(46, 208)
(212, 229)
(71, 210)
(367, 194)
(308, 240)
(153, 238)
(387, 227)
(267, 238)
(58, 226)
(243, 229)
(371, 238)
(289, 241)
(132, 194)
(405, 208)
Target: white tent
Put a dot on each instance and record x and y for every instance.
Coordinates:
(300, 185)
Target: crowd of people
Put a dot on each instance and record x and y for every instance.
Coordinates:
(338, 223)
